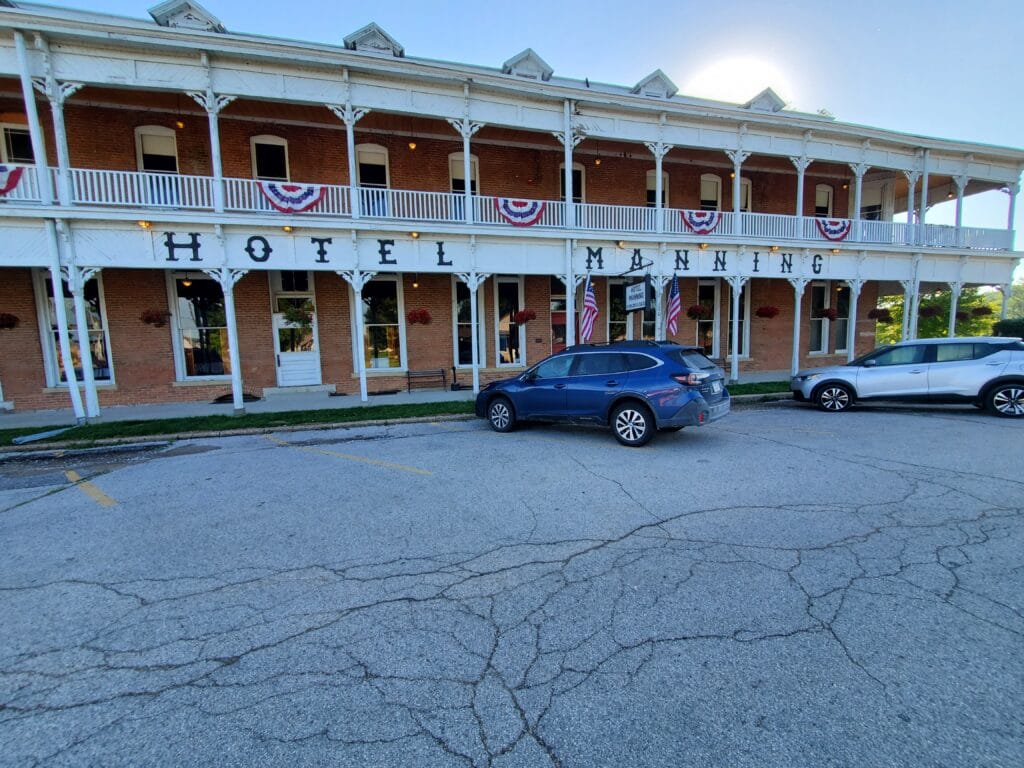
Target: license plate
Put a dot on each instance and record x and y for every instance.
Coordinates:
(716, 387)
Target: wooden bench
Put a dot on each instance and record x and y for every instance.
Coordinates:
(430, 376)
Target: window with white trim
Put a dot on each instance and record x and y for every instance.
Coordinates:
(200, 326)
(744, 328)
(97, 335)
(652, 188)
(819, 323)
(373, 176)
(17, 145)
(843, 318)
(619, 327)
(383, 327)
(710, 192)
(745, 187)
(579, 183)
(156, 149)
(509, 336)
(707, 324)
(558, 303)
(823, 200)
(462, 319)
(457, 173)
(269, 158)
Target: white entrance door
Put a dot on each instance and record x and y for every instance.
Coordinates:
(298, 353)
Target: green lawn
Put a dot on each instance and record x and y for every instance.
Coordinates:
(760, 388)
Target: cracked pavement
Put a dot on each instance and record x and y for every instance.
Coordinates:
(781, 588)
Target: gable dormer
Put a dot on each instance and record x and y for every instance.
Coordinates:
(766, 101)
(656, 85)
(528, 65)
(373, 39)
(185, 14)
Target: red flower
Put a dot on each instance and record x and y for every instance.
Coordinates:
(421, 316)
(523, 316)
(981, 311)
(698, 312)
(881, 314)
(828, 313)
(767, 312)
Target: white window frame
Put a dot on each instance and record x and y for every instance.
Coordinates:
(652, 186)
(745, 194)
(481, 334)
(155, 130)
(376, 149)
(744, 319)
(180, 370)
(403, 350)
(825, 322)
(830, 192)
(713, 178)
(608, 309)
(518, 280)
(840, 286)
(4, 127)
(270, 139)
(583, 182)
(456, 170)
(715, 329)
(49, 341)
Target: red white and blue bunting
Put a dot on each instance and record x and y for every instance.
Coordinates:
(701, 222)
(834, 229)
(519, 213)
(292, 198)
(9, 178)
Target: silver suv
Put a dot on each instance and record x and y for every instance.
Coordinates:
(986, 371)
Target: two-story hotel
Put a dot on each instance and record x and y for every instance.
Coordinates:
(227, 214)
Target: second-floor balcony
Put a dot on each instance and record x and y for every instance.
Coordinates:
(174, 192)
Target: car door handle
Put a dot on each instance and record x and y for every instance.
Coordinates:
(559, 386)
(916, 371)
(611, 383)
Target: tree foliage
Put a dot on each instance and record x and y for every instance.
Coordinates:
(969, 323)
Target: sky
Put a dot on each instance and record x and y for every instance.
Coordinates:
(937, 68)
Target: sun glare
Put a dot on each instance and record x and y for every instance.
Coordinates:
(738, 80)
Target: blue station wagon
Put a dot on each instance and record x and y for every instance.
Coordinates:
(635, 387)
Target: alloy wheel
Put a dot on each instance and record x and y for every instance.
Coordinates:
(500, 416)
(1009, 401)
(630, 424)
(834, 399)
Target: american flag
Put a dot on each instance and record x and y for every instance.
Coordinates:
(590, 312)
(675, 307)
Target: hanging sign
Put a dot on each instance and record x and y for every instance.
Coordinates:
(638, 295)
(9, 178)
(292, 198)
(519, 213)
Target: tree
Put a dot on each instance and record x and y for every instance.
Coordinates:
(1015, 307)
(933, 317)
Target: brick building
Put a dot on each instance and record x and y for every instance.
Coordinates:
(217, 206)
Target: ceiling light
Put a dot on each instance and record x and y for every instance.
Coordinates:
(774, 248)
(416, 281)
(621, 243)
(703, 246)
(145, 224)
(288, 228)
(412, 145)
(179, 124)
(835, 250)
(414, 235)
(597, 161)
(186, 281)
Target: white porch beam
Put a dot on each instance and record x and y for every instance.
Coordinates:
(738, 156)
(802, 163)
(912, 177)
(856, 284)
(799, 285)
(227, 278)
(955, 289)
(736, 283)
(56, 93)
(358, 280)
(473, 281)
(77, 277)
(1006, 290)
(570, 136)
(213, 104)
(859, 169)
(961, 185)
(350, 115)
(1014, 190)
(659, 150)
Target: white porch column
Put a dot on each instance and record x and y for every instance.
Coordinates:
(350, 115)
(358, 280)
(659, 282)
(35, 129)
(736, 283)
(737, 156)
(659, 150)
(909, 326)
(60, 310)
(570, 280)
(851, 323)
(859, 169)
(1004, 309)
(955, 289)
(473, 281)
(912, 177)
(466, 129)
(802, 162)
(213, 104)
(570, 136)
(56, 93)
(961, 186)
(922, 235)
(227, 278)
(1014, 190)
(77, 277)
(799, 284)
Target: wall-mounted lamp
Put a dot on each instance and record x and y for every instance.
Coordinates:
(414, 235)
(416, 281)
(288, 228)
(774, 248)
(703, 246)
(179, 124)
(412, 145)
(186, 281)
(835, 250)
(145, 224)
(621, 243)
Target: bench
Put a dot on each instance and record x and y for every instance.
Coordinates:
(430, 376)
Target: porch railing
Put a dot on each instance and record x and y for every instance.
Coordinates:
(129, 189)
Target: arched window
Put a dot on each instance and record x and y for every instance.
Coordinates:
(156, 149)
(579, 182)
(823, 200)
(269, 158)
(710, 192)
(457, 173)
(744, 194)
(652, 188)
(372, 166)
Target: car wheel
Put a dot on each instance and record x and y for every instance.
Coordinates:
(1007, 400)
(632, 424)
(834, 398)
(500, 415)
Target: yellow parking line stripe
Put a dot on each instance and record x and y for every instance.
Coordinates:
(351, 457)
(89, 489)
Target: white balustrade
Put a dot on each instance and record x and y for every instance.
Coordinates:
(27, 190)
(246, 196)
(676, 225)
(145, 190)
(770, 227)
(615, 218)
(485, 211)
(412, 206)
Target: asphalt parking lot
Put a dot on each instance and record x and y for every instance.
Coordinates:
(781, 588)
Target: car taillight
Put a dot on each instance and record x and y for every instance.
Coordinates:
(690, 379)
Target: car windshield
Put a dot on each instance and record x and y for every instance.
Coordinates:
(860, 360)
(691, 359)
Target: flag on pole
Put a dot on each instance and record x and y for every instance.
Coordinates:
(675, 307)
(590, 312)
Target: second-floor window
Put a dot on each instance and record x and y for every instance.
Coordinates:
(156, 149)
(823, 200)
(652, 189)
(710, 192)
(17, 145)
(372, 175)
(579, 179)
(457, 173)
(269, 158)
(745, 194)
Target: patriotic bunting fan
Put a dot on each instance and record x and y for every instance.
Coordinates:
(292, 198)
(9, 178)
(701, 222)
(834, 229)
(519, 213)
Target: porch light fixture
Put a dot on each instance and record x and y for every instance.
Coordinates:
(179, 124)
(187, 281)
(703, 246)
(412, 145)
(950, 194)
(732, 174)
(288, 228)
(621, 243)
(145, 224)
(835, 250)
(597, 161)
(774, 248)
(414, 235)
(416, 281)
(846, 185)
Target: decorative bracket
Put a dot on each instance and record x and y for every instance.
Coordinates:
(859, 169)
(578, 135)
(912, 177)
(738, 156)
(659, 149)
(961, 182)
(210, 101)
(348, 114)
(736, 282)
(473, 280)
(956, 286)
(77, 277)
(356, 279)
(801, 162)
(799, 284)
(855, 284)
(226, 276)
(56, 91)
(465, 128)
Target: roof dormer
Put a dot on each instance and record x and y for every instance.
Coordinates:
(656, 85)
(766, 101)
(185, 14)
(373, 39)
(528, 65)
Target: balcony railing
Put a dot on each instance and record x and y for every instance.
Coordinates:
(163, 191)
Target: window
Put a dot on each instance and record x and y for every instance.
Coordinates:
(600, 364)
(156, 149)
(372, 174)
(201, 326)
(457, 174)
(843, 318)
(823, 200)
(648, 329)
(462, 316)
(579, 180)
(17, 145)
(710, 192)
(508, 300)
(555, 368)
(618, 318)
(96, 331)
(745, 194)
(557, 306)
(382, 331)
(744, 324)
(949, 353)
(819, 324)
(637, 362)
(291, 281)
(269, 158)
(908, 355)
(871, 202)
(652, 188)
(707, 326)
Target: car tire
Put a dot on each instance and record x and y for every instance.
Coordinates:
(500, 415)
(633, 424)
(834, 398)
(1007, 400)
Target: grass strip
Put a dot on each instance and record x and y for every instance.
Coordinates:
(759, 388)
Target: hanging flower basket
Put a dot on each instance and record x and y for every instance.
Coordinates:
(301, 315)
(767, 312)
(961, 316)
(8, 320)
(155, 317)
(419, 317)
(881, 314)
(828, 313)
(981, 311)
(929, 311)
(523, 316)
(698, 312)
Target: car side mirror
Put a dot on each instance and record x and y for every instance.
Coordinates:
(870, 363)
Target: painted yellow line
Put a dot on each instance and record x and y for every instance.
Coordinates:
(351, 457)
(89, 489)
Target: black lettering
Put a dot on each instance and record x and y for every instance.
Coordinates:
(265, 249)
(594, 253)
(719, 262)
(757, 257)
(172, 246)
(637, 262)
(440, 255)
(816, 264)
(683, 259)
(787, 264)
(385, 251)
(321, 251)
